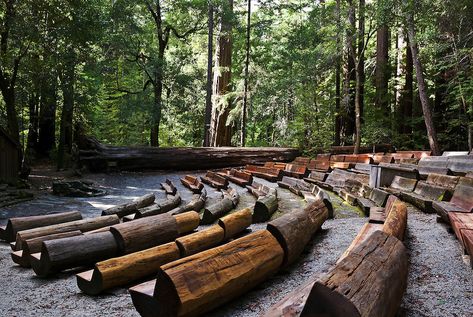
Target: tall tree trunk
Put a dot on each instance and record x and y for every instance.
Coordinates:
(67, 77)
(350, 79)
(382, 68)
(360, 75)
(424, 99)
(47, 115)
(221, 133)
(337, 79)
(158, 97)
(247, 64)
(208, 99)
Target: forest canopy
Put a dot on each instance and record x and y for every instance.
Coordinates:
(308, 74)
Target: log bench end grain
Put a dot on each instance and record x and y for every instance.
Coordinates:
(169, 187)
(265, 207)
(143, 300)
(236, 222)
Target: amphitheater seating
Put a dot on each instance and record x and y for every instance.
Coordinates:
(270, 174)
(461, 202)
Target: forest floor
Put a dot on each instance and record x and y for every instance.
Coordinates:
(440, 279)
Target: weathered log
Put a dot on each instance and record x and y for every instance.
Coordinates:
(370, 281)
(217, 210)
(201, 282)
(192, 183)
(145, 233)
(14, 225)
(196, 204)
(236, 222)
(187, 221)
(265, 207)
(202, 240)
(88, 224)
(170, 203)
(363, 234)
(396, 220)
(215, 180)
(57, 255)
(293, 303)
(294, 229)
(169, 187)
(22, 257)
(126, 269)
(98, 157)
(130, 208)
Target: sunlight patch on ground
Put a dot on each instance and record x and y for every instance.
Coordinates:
(101, 205)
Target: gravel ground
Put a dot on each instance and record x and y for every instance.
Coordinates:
(440, 280)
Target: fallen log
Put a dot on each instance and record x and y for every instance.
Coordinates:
(88, 224)
(130, 208)
(169, 187)
(294, 229)
(22, 257)
(203, 281)
(221, 207)
(14, 225)
(236, 222)
(370, 281)
(126, 269)
(196, 204)
(396, 220)
(265, 207)
(293, 303)
(172, 201)
(187, 221)
(192, 183)
(202, 240)
(98, 157)
(56, 256)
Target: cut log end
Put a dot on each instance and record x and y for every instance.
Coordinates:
(89, 282)
(143, 300)
(186, 222)
(236, 222)
(264, 208)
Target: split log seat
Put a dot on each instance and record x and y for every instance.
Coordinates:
(270, 174)
(461, 201)
(258, 190)
(316, 177)
(467, 237)
(379, 214)
(321, 166)
(365, 232)
(215, 180)
(382, 158)
(362, 168)
(369, 281)
(377, 197)
(401, 184)
(460, 222)
(195, 204)
(300, 160)
(424, 195)
(295, 185)
(14, 225)
(454, 153)
(161, 207)
(297, 171)
(417, 154)
(192, 183)
(238, 177)
(220, 208)
(276, 165)
(169, 187)
(125, 209)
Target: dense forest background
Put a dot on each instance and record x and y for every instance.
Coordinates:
(189, 73)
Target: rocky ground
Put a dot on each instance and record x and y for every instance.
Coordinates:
(440, 279)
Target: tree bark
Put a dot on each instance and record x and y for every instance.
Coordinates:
(431, 132)
(247, 64)
(382, 68)
(350, 79)
(208, 99)
(47, 114)
(338, 72)
(360, 76)
(220, 132)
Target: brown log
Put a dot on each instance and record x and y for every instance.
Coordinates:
(202, 240)
(215, 180)
(170, 203)
(265, 207)
(363, 234)
(143, 299)
(14, 225)
(370, 281)
(293, 303)
(145, 233)
(57, 255)
(169, 187)
(201, 282)
(396, 220)
(84, 225)
(126, 269)
(217, 210)
(197, 203)
(186, 222)
(236, 222)
(130, 208)
(294, 229)
(192, 183)
(22, 257)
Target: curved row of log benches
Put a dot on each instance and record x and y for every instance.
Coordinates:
(368, 280)
(206, 280)
(124, 270)
(266, 201)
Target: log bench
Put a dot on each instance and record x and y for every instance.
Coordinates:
(467, 237)
(362, 168)
(297, 171)
(320, 166)
(238, 177)
(199, 283)
(265, 206)
(417, 154)
(84, 225)
(318, 193)
(270, 174)
(195, 204)
(316, 177)
(169, 187)
(377, 197)
(259, 190)
(461, 201)
(369, 281)
(125, 238)
(454, 153)
(401, 184)
(295, 185)
(300, 160)
(14, 225)
(276, 165)
(126, 269)
(131, 207)
(192, 183)
(460, 221)
(382, 158)
(424, 195)
(172, 201)
(215, 180)
(220, 208)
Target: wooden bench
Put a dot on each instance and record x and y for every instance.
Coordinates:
(238, 177)
(214, 180)
(196, 203)
(220, 208)
(467, 237)
(379, 214)
(381, 158)
(359, 158)
(295, 185)
(417, 154)
(377, 198)
(316, 177)
(192, 183)
(461, 201)
(293, 170)
(300, 160)
(460, 221)
(169, 187)
(277, 165)
(424, 195)
(401, 184)
(363, 168)
(321, 166)
(258, 190)
(270, 174)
